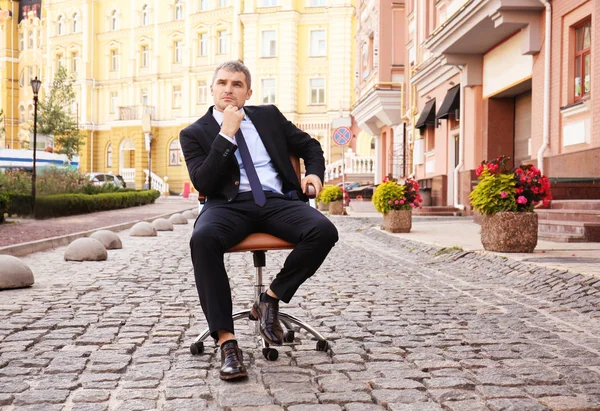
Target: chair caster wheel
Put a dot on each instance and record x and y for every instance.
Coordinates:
(197, 348)
(270, 354)
(289, 336)
(322, 345)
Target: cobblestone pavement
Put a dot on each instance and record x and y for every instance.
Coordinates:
(413, 328)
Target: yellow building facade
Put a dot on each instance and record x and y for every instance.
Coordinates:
(149, 64)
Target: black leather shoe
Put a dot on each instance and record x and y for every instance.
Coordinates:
(268, 315)
(232, 365)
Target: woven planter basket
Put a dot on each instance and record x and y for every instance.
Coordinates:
(509, 232)
(397, 221)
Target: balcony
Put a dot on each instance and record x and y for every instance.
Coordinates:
(479, 25)
(380, 106)
(135, 112)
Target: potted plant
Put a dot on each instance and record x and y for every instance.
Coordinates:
(506, 200)
(332, 195)
(395, 201)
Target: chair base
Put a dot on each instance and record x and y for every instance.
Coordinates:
(269, 353)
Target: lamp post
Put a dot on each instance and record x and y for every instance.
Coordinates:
(35, 86)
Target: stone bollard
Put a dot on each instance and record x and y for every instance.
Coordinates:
(14, 273)
(86, 249)
(162, 224)
(189, 214)
(143, 229)
(110, 240)
(178, 219)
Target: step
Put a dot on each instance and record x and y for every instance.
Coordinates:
(436, 213)
(589, 231)
(575, 205)
(592, 216)
(561, 237)
(440, 208)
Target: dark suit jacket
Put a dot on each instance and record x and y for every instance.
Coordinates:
(212, 164)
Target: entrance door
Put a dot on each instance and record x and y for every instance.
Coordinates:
(522, 145)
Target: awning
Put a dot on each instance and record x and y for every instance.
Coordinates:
(451, 102)
(427, 116)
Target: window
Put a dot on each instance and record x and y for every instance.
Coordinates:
(317, 91)
(318, 43)
(364, 59)
(22, 114)
(175, 153)
(179, 10)
(76, 22)
(222, 38)
(269, 3)
(145, 52)
(114, 21)
(223, 3)
(203, 5)
(60, 27)
(30, 39)
(316, 3)
(39, 39)
(59, 61)
(144, 97)
(114, 101)
(202, 91)
(74, 60)
(583, 59)
(203, 44)
(177, 51)
(176, 96)
(21, 41)
(269, 43)
(109, 156)
(30, 112)
(114, 60)
(268, 91)
(145, 15)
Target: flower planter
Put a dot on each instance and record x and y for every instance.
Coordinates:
(336, 208)
(321, 206)
(397, 221)
(509, 232)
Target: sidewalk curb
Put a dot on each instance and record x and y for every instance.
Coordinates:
(23, 249)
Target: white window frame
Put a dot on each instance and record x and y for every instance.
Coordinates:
(176, 103)
(268, 46)
(177, 51)
(223, 3)
(75, 26)
(145, 15)
(316, 3)
(30, 40)
(113, 101)
(145, 56)
(109, 156)
(178, 10)
(144, 97)
(175, 153)
(202, 44)
(315, 43)
(114, 60)
(114, 21)
(270, 3)
(203, 5)
(74, 61)
(60, 26)
(21, 41)
(317, 101)
(59, 61)
(223, 41)
(202, 92)
(268, 91)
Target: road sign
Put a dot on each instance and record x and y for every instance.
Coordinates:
(342, 135)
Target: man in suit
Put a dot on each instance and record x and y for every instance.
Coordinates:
(238, 157)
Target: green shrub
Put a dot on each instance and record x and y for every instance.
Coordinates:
(494, 193)
(385, 194)
(329, 194)
(4, 201)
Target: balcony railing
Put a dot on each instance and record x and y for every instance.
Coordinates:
(135, 112)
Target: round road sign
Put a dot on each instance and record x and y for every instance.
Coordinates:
(342, 135)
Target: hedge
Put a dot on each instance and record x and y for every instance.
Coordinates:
(59, 205)
(4, 201)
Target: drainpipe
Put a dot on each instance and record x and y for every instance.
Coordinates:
(461, 140)
(547, 47)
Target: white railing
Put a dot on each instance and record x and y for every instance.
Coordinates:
(158, 183)
(128, 174)
(354, 165)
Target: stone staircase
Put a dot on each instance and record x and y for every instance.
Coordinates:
(570, 221)
(437, 211)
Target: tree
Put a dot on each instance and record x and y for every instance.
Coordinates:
(55, 117)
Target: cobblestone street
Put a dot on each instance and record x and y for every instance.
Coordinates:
(412, 328)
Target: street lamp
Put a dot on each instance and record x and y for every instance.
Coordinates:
(35, 86)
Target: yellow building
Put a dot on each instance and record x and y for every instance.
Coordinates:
(156, 59)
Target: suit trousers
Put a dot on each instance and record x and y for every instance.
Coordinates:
(222, 224)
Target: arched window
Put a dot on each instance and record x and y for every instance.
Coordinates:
(145, 15)
(175, 153)
(76, 22)
(60, 28)
(179, 10)
(22, 114)
(114, 21)
(109, 155)
(30, 112)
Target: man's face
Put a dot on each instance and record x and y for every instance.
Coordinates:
(230, 88)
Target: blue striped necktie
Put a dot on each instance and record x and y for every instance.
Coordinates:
(255, 185)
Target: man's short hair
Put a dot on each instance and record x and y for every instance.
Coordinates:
(234, 66)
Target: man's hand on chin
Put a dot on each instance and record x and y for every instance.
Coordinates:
(314, 180)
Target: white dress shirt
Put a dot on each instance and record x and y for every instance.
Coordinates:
(268, 176)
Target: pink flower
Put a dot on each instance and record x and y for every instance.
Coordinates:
(522, 200)
(401, 201)
(396, 202)
(503, 194)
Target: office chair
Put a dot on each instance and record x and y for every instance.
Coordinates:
(259, 244)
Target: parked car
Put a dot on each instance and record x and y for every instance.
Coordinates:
(99, 179)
